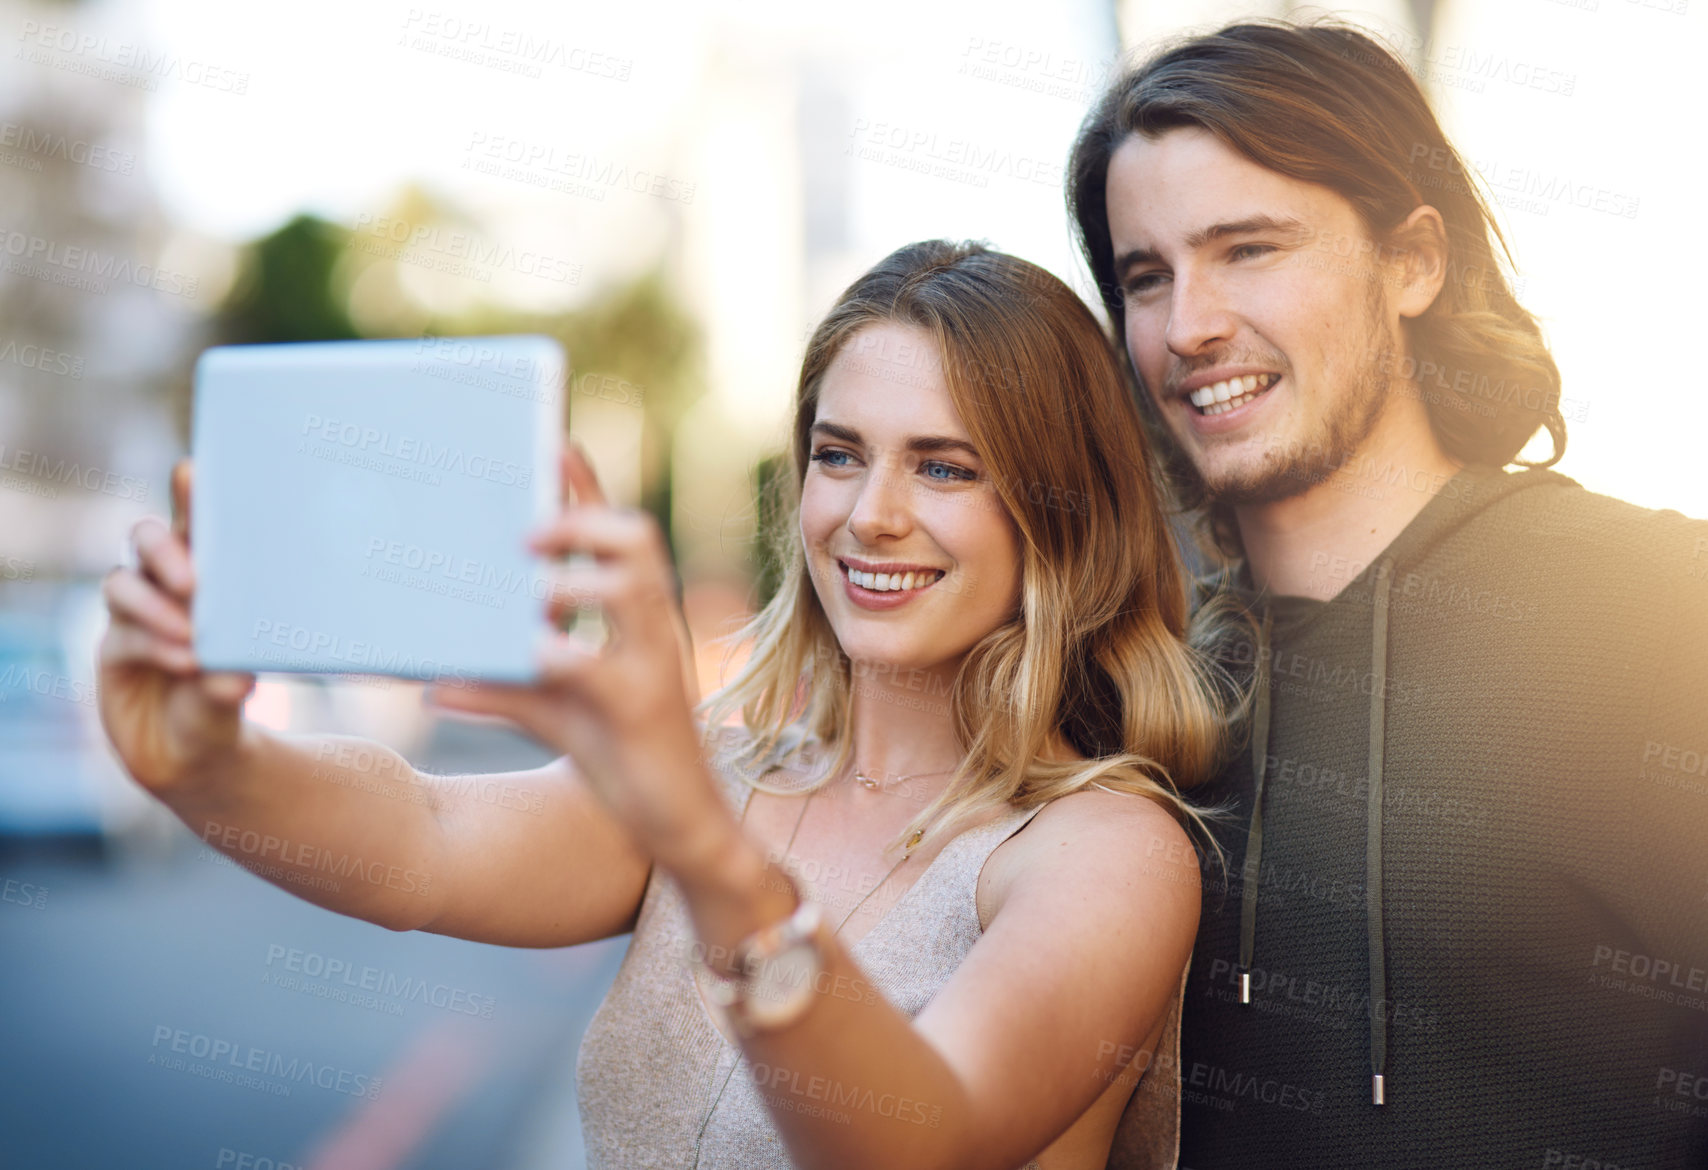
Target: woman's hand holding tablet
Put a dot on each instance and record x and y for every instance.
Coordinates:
(165, 716)
(620, 710)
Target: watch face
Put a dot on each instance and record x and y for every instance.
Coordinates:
(706, 985)
(783, 986)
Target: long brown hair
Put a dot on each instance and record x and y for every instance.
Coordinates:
(1097, 652)
(1325, 103)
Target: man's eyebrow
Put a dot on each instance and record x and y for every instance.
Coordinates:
(930, 444)
(1287, 225)
(919, 444)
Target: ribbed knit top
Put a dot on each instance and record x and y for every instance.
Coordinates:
(652, 1064)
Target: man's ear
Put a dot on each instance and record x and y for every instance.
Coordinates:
(1418, 251)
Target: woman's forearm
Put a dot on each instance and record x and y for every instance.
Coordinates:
(341, 822)
(851, 1083)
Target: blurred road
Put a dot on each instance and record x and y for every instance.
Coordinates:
(168, 1010)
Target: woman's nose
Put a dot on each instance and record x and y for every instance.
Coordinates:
(883, 508)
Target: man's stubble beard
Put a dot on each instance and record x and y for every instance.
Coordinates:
(1295, 466)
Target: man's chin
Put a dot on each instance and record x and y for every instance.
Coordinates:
(1244, 486)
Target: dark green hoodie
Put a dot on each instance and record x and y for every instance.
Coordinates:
(1476, 796)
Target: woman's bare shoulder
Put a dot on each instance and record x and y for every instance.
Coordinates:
(1116, 849)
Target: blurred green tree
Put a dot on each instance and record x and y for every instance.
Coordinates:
(284, 289)
(632, 339)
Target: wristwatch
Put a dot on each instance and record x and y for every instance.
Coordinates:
(777, 969)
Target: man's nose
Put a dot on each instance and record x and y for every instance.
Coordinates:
(1199, 314)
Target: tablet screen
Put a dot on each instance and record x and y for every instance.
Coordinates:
(361, 507)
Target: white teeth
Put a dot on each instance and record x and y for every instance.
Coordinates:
(891, 582)
(1226, 395)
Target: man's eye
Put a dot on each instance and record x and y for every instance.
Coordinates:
(946, 472)
(1251, 251)
(1143, 283)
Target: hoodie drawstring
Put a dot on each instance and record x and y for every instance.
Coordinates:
(1373, 837)
(1251, 871)
(1254, 835)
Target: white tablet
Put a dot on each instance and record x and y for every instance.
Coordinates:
(362, 506)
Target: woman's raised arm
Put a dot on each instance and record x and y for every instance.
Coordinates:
(343, 823)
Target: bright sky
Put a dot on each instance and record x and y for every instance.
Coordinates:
(344, 104)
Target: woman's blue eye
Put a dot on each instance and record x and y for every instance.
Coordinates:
(828, 457)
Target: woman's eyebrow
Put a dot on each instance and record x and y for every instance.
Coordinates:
(839, 432)
(919, 444)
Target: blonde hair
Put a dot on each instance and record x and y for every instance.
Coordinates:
(1097, 653)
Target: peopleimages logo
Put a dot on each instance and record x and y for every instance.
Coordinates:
(40, 144)
(296, 645)
(946, 156)
(20, 677)
(86, 268)
(510, 50)
(450, 250)
(344, 980)
(372, 442)
(98, 55)
(41, 359)
(569, 171)
(50, 473)
(227, 1060)
(453, 568)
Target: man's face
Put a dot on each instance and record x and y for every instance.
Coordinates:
(1254, 313)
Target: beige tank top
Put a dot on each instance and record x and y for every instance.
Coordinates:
(653, 1069)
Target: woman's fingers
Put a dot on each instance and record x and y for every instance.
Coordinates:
(566, 661)
(578, 476)
(136, 601)
(163, 557)
(229, 687)
(127, 643)
(630, 578)
(582, 585)
(131, 645)
(181, 477)
(485, 698)
(606, 533)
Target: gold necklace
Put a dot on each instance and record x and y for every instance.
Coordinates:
(873, 783)
(907, 852)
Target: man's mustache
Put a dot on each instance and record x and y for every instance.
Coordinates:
(1178, 375)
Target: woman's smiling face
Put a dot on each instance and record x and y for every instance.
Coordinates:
(910, 549)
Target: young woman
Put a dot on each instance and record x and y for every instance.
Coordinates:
(846, 953)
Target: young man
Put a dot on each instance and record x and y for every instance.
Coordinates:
(1465, 914)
